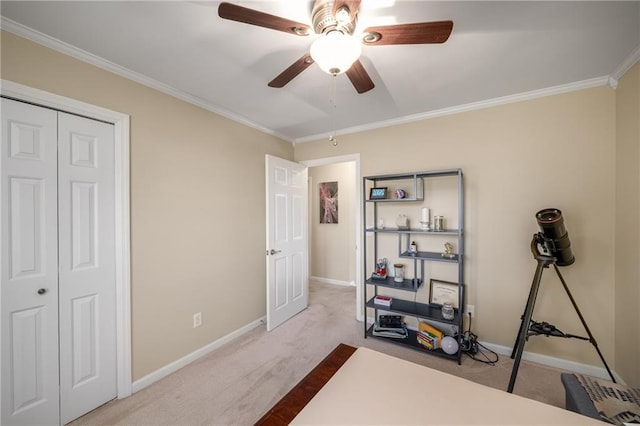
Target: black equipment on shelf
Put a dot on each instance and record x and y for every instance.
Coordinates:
(546, 243)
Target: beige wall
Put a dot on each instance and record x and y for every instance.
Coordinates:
(558, 151)
(187, 233)
(197, 205)
(627, 272)
(332, 251)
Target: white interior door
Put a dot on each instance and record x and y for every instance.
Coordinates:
(58, 256)
(287, 240)
(29, 265)
(86, 265)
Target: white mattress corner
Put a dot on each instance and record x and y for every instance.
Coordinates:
(373, 388)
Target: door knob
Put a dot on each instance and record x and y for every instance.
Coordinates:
(42, 291)
(272, 252)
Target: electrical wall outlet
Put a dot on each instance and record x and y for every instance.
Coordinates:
(197, 319)
(471, 311)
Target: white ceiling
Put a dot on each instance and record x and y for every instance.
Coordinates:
(496, 50)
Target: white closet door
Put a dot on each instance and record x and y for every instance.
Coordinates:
(58, 357)
(86, 265)
(29, 270)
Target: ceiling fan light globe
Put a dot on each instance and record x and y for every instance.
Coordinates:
(335, 52)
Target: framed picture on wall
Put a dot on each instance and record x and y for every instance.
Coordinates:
(328, 202)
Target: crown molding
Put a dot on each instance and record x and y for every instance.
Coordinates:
(67, 49)
(82, 55)
(610, 80)
(631, 60)
(504, 100)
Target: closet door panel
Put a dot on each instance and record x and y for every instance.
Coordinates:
(28, 269)
(86, 265)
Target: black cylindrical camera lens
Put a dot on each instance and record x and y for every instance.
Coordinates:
(552, 226)
(551, 223)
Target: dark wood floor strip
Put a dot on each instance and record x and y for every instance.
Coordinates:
(292, 403)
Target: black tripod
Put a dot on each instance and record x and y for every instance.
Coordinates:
(532, 328)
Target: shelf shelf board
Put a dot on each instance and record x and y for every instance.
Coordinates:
(412, 342)
(454, 232)
(416, 309)
(427, 255)
(407, 284)
(398, 176)
(396, 200)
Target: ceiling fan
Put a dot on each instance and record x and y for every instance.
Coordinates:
(337, 50)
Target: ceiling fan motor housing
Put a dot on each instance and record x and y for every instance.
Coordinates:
(324, 20)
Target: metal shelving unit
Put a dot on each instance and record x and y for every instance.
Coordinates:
(413, 308)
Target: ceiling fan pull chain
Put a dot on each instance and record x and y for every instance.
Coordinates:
(332, 100)
(332, 91)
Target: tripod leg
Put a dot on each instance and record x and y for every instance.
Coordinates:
(522, 323)
(584, 323)
(524, 326)
(515, 344)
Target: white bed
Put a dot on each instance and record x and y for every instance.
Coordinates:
(374, 388)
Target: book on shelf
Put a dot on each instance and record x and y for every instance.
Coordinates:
(429, 336)
(390, 329)
(427, 340)
(383, 300)
(393, 334)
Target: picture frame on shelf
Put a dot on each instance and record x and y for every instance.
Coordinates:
(441, 292)
(379, 193)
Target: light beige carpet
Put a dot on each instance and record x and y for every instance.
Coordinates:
(239, 382)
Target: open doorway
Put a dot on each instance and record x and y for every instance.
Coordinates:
(334, 246)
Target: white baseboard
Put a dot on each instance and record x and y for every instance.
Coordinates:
(562, 364)
(333, 282)
(176, 365)
(550, 361)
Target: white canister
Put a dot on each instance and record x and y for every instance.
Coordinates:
(398, 272)
(424, 215)
(402, 221)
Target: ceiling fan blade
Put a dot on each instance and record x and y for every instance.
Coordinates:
(359, 77)
(290, 73)
(237, 13)
(418, 33)
(352, 5)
